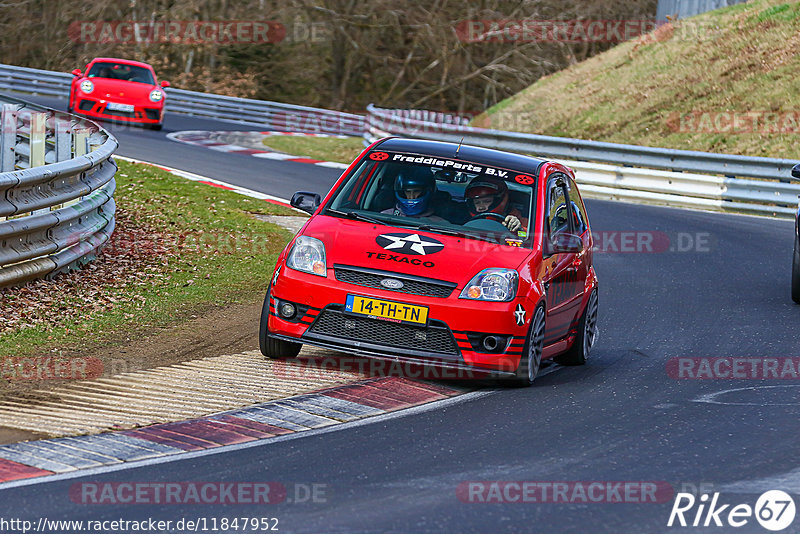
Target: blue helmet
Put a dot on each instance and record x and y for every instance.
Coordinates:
(423, 182)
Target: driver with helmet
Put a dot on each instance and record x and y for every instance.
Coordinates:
(489, 194)
(414, 195)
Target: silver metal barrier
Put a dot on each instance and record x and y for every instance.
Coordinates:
(56, 191)
(262, 113)
(683, 178)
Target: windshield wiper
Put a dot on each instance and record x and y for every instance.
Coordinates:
(355, 216)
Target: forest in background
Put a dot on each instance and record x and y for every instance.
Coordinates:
(336, 54)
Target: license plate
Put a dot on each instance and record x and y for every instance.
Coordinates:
(387, 310)
(119, 107)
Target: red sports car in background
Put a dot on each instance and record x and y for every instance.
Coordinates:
(119, 90)
(453, 256)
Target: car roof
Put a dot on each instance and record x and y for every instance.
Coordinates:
(487, 156)
(123, 61)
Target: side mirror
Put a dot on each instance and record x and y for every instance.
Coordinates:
(308, 202)
(164, 83)
(566, 243)
(76, 72)
(796, 171)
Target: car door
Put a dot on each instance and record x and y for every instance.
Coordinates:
(561, 276)
(580, 220)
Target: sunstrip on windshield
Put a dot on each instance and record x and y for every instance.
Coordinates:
(451, 164)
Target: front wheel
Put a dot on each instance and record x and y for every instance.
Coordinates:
(586, 338)
(796, 273)
(531, 358)
(276, 349)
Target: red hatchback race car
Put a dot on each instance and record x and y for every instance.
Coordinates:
(447, 255)
(118, 90)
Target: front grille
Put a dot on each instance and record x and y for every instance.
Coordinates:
(437, 337)
(85, 105)
(152, 114)
(412, 286)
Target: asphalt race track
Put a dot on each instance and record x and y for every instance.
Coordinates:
(622, 417)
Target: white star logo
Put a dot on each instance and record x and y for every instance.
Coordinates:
(413, 242)
(519, 315)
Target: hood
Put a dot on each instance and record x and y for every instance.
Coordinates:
(409, 251)
(120, 89)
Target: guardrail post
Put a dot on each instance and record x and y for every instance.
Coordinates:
(8, 138)
(38, 146)
(63, 141)
(63, 152)
(37, 140)
(80, 141)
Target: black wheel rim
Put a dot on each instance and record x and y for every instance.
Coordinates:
(536, 343)
(590, 324)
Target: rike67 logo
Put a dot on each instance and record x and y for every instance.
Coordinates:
(774, 510)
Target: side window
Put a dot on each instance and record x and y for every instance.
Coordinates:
(578, 209)
(557, 209)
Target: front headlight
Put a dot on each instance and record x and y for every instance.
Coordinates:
(308, 255)
(156, 95)
(498, 285)
(87, 86)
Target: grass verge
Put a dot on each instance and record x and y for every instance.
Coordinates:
(321, 148)
(724, 81)
(180, 248)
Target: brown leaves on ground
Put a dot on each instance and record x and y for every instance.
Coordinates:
(135, 256)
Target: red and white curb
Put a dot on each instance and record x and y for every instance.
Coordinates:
(214, 183)
(262, 422)
(214, 140)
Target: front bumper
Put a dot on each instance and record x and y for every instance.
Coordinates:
(98, 109)
(451, 339)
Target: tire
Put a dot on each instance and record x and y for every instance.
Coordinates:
(796, 273)
(531, 358)
(277, 349)
(586, 338)
(156, 127)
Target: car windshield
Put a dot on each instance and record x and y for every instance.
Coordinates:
(121, 71)
(440, 195)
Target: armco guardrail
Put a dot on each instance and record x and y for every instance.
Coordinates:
(269, 115)
(262, 113)
(56, 191)
(625, 172)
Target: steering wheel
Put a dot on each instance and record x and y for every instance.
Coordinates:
(489, 215)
